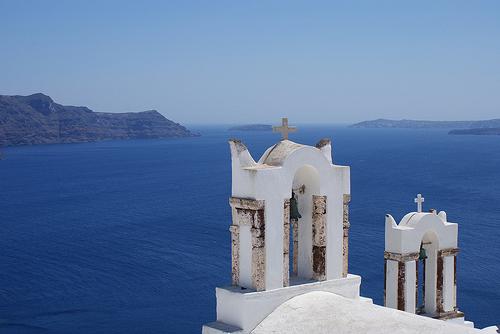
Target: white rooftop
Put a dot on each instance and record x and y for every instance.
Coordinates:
(321, 312)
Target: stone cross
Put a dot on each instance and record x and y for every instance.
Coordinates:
(284, 128)
(419, 200)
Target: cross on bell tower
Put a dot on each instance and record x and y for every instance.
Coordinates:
(284, 128)
(419, 200)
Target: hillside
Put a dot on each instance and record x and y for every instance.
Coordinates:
(413, 124)
(37, 119)
(480, 131)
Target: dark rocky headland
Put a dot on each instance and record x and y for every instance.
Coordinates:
(37, 119)
(414, 124)
(478, 131)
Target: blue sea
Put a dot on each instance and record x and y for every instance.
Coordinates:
(132, 236)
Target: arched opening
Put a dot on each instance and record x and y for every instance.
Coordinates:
(305, 184)
(427, 274)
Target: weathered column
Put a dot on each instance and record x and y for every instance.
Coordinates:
(416, 287)
(295, 227)
(410, 285)
(390, 282)
(258, 251)
(319, 237)
(439, 285)
(400, 281)
(346, 225)
(235, 254)
(286, 243)
(248, 214)
(401, 285)
(446, 306)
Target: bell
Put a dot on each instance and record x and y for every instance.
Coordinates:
(423, 254)
(294, 208)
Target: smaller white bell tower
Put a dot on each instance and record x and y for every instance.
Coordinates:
(420, 264)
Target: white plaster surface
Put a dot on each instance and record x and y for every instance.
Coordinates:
(430, 280)
(323, 312)
(410, 282)
(391, 287)
(245, 309)
(448, 283)
(461, 321)
(308, 177)
(407, 236)
(490, 330)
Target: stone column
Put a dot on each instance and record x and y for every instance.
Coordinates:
(346, 225)
(390, 282)
(401, 285)
(400, 281)
(295, 227)
(416, 286)
(319, 237)
(446, 305)
(235, 254)
(439, 285)
(410, 304)
(286, 243)
(250, 213)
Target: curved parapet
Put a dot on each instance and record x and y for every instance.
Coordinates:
(325, 146)
(407, 236)
(390, 222)
(277, 154)
(240, 154)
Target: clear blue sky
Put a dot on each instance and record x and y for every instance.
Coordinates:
(255, 61)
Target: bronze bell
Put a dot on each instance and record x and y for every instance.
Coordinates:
(423, 254)
(294, 208)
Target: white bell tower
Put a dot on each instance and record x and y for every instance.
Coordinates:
(420, 264)
(274, 257)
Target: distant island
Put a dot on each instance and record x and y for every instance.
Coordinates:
(252, 127)
(413, 124)
(37, 119)
(476, 131)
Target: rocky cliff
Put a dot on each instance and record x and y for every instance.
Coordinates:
(478, 131)
(37, 119)
(413, 124)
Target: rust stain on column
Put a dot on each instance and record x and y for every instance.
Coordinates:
(439, 285)
(401, 286)
(345, 225)
(319, 237)
(247, 211)
(286, 243)
(319, 263)
(295, 226)
(258, 250)
(235, 254)
(416, 286)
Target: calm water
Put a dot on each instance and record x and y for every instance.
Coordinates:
(132, 236)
